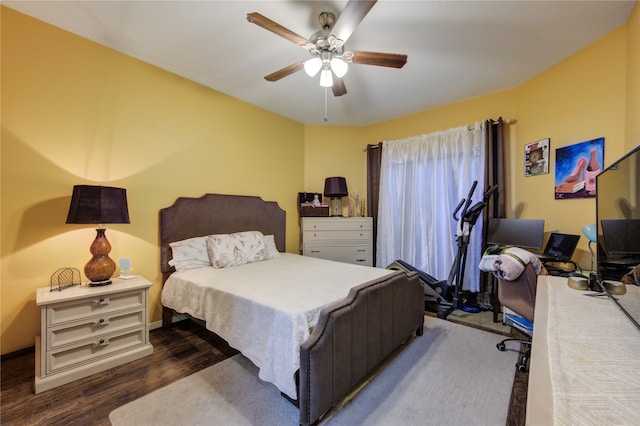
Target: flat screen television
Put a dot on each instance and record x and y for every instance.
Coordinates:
(618, 220)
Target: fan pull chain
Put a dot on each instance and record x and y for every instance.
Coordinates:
(326, 90)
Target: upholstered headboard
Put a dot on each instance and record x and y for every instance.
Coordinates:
(218, 214)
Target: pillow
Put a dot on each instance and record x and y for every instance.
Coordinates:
(227, 250)
(270, 246)
(190, 254)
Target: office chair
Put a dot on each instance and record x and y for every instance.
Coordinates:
(519, 298)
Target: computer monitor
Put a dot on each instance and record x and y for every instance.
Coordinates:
(525, 233)
(621, 236)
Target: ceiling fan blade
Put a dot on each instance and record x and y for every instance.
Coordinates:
(274, 27)
(338, 87)
(392, 60)
(350, 17)
(286, 71)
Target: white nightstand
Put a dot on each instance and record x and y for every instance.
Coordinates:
(86, 330)
(345, 239)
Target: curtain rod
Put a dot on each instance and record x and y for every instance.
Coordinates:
(505, 121)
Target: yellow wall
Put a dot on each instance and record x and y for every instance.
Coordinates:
(632, 133)
(75, 112)
(335, 151)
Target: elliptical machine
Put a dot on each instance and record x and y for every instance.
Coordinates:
(443, 296)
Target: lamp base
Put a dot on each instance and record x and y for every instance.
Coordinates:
(100, 267)
(99, 283)
(335, 207)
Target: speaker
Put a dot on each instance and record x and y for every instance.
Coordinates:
(125, 266)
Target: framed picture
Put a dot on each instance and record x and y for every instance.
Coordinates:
(576, 169)
(536, 157)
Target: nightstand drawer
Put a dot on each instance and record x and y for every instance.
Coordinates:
(359, 255)
(99, 305)
(336, 236)
(85, 330)
(90, 350)
(94, 326)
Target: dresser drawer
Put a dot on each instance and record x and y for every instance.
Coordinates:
(92, 349)
(93, 306)
(91, 327)
(336, 236)
(341, 224)
(359, 255)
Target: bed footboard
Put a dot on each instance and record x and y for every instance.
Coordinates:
(354, 336)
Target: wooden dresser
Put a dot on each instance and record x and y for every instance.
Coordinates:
(344, 239)
(85, 330)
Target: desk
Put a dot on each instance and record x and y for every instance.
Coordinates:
(585, 359)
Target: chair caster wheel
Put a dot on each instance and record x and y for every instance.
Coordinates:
(501, 347)
(521, 368)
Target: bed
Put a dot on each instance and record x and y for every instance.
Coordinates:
(314, 328)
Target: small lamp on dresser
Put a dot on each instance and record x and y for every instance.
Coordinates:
(91, 204)
(335, 188)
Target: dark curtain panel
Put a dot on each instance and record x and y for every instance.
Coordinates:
(494, 166)
(495, 175)
(374, 157)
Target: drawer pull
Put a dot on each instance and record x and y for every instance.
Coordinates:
(361, 260)
(101, 322)
(361, 250)
(315, 251)
(102, 342)
(102, 301)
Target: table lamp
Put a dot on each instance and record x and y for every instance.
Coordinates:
(591, 232)
(91, 204)
(335, 188)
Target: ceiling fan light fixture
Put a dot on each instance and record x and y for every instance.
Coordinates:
(312, 66)
(326, 79)
(339, 67)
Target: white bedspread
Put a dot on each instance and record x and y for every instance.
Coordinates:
(266, 309)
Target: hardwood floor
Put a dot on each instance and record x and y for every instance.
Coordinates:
(178, 352)
(518, 402)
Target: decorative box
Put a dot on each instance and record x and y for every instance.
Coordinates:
(309, 211)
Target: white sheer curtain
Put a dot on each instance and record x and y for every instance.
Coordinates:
(422, 180)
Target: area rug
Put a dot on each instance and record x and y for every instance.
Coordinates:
(451, 375)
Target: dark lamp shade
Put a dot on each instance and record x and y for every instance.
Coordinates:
(98, 205)
(335, 187)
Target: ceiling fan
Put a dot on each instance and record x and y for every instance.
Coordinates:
(327, 46)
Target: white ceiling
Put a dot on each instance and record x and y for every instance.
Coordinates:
(457, 49)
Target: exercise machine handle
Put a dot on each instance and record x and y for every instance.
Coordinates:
(466, 202)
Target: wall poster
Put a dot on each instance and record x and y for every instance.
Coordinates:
(577, 167)
(536, 158)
